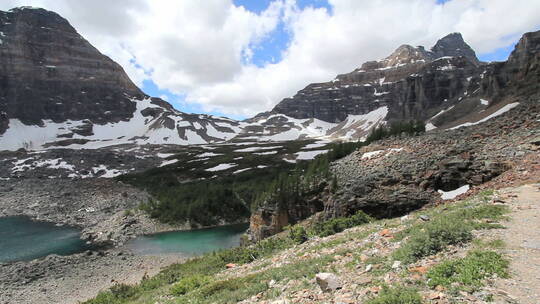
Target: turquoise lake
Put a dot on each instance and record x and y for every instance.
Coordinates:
(188, 243)
(22, 239)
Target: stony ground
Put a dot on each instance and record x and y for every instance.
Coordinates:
(360, 264)
(75, 278)
(523, 244)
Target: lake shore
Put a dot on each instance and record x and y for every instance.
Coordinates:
(75, 278)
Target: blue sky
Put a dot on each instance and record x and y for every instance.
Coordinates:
(270, 49)
(267, 51)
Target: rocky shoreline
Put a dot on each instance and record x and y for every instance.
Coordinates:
(106, 212)
(75, 278)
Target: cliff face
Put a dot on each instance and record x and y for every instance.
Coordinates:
(48, 71)
(56, 89)
(412, 82)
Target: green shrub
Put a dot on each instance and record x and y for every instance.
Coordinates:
(298, 234)
(122, 291)
(190, 283)
(339, 224)
(434, 237)
(396, 295)
(469, 271)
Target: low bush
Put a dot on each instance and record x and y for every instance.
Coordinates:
(339, 224)
(298, 234)
(190, 283)
(470, 271)
(396, 295)
(434, 237)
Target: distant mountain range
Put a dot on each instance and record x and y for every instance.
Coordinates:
(57, 90)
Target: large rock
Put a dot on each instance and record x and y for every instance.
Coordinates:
(328, 281)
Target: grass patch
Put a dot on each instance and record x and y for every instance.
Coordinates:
(237, 289)
(190, 283)
(469, 272)
(396, 295)
(449, 228)
(434, 237)
(206, 265)
(337, 225)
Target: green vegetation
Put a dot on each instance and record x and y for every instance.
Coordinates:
(297, 233)
(433, 238)
(469, 272)
(198, 280)
(237, 289)
(454, 227)
(196, 273)
(337, 225)
(190, 283)
(396, 295)
(186, 191)
(412, 127)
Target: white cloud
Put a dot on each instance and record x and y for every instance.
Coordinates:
(200, 48)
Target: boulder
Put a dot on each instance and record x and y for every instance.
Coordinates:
(328, 281)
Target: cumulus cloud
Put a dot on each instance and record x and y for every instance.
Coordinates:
(203, 49)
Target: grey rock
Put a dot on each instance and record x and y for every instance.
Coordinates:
(328, 281)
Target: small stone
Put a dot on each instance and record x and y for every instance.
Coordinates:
(368, 268)
(419, 269)
(396, 264)
(424, 218)
(328, 281)
(230, 265)
(364, 258)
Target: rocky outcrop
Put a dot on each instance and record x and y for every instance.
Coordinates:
(453, 45)
(402, 174)
(395, 176)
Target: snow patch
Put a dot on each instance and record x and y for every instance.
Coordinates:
(501, 111)
(306, 155)
(454, 193)
(221, 167)
(430, 126)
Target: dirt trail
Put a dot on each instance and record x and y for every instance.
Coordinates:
(522, 238)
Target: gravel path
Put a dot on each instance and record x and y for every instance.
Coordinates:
(523, 244)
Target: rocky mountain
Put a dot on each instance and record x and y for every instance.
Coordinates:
(411, 83)
(58, 91)
(398, 175)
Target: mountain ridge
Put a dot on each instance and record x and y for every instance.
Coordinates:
(58, 91)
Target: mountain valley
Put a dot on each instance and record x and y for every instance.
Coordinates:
(334, 179)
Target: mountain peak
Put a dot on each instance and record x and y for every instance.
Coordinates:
(406, 54)
(454, 45)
